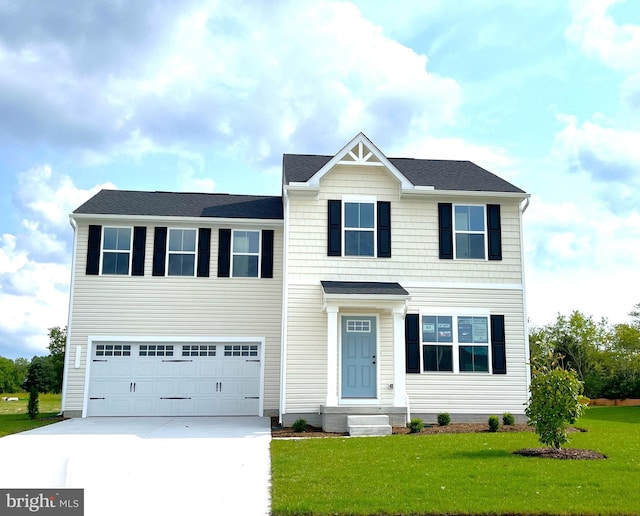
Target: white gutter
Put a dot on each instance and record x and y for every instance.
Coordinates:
(430, 192)
(523, 207)
(285, 304)
(196, 220)
(67, 346)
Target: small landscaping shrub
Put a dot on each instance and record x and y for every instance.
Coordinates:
(444, 419)
(555, 399)
(299, 425)
(32, 407)
(415, 425)
(508, 419)
(494, 423)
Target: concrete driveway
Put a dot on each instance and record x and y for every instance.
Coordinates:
(148, 465)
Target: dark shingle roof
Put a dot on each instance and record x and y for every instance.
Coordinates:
(363, 287)
(172, 204)
(441, 174)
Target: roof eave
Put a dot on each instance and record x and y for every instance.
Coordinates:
(430, 191)
(164, 219)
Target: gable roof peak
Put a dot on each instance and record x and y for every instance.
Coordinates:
(359, 151)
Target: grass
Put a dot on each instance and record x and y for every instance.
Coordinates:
(14, 417)
(461, 473)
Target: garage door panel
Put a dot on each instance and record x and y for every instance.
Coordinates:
(165, 380)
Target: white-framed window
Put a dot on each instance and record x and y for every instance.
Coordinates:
(473, 344)
(116, 250)
(181, 252)
(359, 227)
(470, 231)
(455, 343)
(245, 253)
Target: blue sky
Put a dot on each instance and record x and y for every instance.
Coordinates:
(207, 96)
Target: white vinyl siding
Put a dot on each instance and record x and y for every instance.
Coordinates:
(307, 350)
(431, 282)
(174, 305)
(414, 236)
(467, 392)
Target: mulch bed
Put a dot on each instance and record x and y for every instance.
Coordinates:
(562, 453)
(454, 428)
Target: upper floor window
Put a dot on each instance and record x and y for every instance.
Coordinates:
(245, 262)
(359, 229)
(181, 252)
(116, 250)
(469, 227)
(359, 226)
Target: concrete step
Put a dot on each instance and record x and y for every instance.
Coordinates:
(360, 430)
(368, 425)
(368, 420)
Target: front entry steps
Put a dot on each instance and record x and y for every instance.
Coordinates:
(368, 425)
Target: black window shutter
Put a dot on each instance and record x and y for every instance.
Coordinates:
(224, 252)
(384, 229)
(139, 243)
(266, 267)
(93, 250)
(204, 252)
(495, 232)
(334, 240)
(498, 345)
(159, 250)
(412, 342)
(445, 230)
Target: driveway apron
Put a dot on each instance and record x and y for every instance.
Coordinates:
(148, 465)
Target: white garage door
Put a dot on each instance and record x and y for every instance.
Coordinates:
(152, 379)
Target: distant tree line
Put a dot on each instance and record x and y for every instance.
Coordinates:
(44, 373)
(606, 357)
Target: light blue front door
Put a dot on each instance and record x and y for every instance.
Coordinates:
(358, 357)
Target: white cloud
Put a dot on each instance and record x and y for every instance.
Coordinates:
(597, 34)
(590, 237)
(580, 257)
(35, 263)
(223, 75)
(608, 155)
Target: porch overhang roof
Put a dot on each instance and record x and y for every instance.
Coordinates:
(364, 294)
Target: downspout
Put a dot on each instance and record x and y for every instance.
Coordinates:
(523, 207)
(285, 304)
(67, 346)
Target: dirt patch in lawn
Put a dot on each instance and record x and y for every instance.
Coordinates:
(562, 453)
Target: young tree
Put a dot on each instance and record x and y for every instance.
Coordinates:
(33, 407)
(41, 375)
(556, 399)
(57, 344)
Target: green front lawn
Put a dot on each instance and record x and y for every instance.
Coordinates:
(461, 473)
(14, 417)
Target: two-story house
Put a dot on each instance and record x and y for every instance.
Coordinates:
(373, 285)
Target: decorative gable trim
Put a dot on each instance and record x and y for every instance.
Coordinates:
(360, 151)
